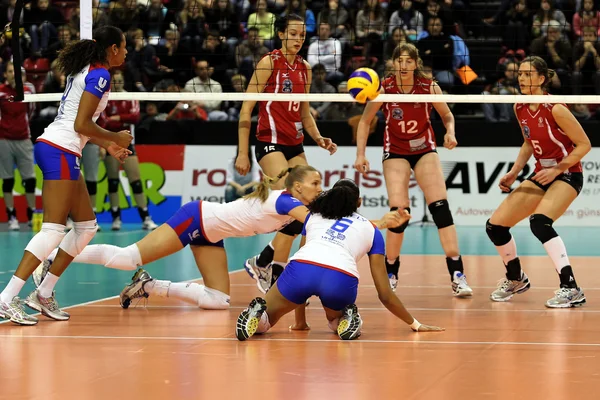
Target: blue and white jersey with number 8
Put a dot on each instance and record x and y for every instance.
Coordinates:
(94, 79)
(339, 244)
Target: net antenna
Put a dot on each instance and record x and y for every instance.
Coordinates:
(86, 19)
(15, 27)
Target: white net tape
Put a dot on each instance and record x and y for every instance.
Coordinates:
(335, 97)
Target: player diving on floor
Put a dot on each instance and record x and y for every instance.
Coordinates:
(203, 225)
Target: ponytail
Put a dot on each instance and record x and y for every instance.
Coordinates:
(261, 190)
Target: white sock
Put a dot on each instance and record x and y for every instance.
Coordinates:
(508, 251)
(555, 248)
(264, 324)
(12, 289)
(47, 287)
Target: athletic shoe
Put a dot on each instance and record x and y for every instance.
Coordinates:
(393, 281)
(15, 312)
(350, 324)
(13, 224)
(460, 287)
(40, 272)
(46, 305)
(507, 288)
(247, 322)
(262, 275)
(567, 297)
(135, 290)
(148, 224)
(116, 224)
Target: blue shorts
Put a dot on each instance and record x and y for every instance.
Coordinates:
(187, 223)
(56, 164)
(299, 281)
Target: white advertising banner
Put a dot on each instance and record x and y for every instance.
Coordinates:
(473, 174)
(205, 176)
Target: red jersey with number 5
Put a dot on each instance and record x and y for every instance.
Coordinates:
(280, 121)
(550, 144)
(407, 125)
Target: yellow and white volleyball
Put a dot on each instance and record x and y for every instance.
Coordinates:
(364, 85)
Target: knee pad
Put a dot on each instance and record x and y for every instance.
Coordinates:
(440, 211)
(212, 299)
(113, 185)
(499, 235)
(401, 228)
(79, 237)
(137, 187)
(92, 187)
(541, 226)
(45, 241)
(29, 185)
(8, 185)
(125, 259)
(293, 229)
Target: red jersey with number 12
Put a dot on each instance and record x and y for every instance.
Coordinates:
(407, 125)
(550, 144)
(280, 121)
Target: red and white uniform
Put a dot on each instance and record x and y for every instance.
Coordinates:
(407, 125)
(128, 110)
(280, 121)
(550, 144)
(14, 116)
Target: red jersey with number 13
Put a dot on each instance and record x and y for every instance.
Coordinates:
(280, 121)
(407, 125)
(550, 144)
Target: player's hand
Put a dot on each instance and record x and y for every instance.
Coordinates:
(101, 153)
(242, 164)
(327, 144)
(394, 219)
(506, 182)
(450, 141)
(429, 328)
(546, 176)
(119, 153)
(362, 165)
(123, 139)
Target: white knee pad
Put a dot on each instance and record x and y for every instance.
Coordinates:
(79, 237)
(46, 240)
(126, 259)
(212, 299)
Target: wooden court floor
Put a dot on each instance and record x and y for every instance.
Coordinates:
(170, 350)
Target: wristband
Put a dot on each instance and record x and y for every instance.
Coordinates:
(415, 325)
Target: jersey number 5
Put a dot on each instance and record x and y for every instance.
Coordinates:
(536, 146)
(409, 127)
(341, 225)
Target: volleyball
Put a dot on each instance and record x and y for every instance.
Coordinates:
(364, 85)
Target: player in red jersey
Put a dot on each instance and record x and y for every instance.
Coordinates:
(16, 146)
(280, 133)
(410, 145)
(558, 143)
(120, 115)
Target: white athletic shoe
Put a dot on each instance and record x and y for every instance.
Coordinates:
(135, 290)
(116, 224)
(148, 224)
(507, 288)
(460, 287)
(350, 324)
(40, 272)
(566, 298)
(262, 275)
(13, 224)
(46, 305)
(247, 322)
(15, 312)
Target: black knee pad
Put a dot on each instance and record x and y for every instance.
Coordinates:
(293, 229)
(113, 185)
(440, 211)
(541, 226)
(137, 187)
(499, 235)
(401, 228)
(29, 185)
(92, 187)
(8, 185)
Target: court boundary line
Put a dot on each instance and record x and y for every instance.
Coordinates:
(370, 341)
